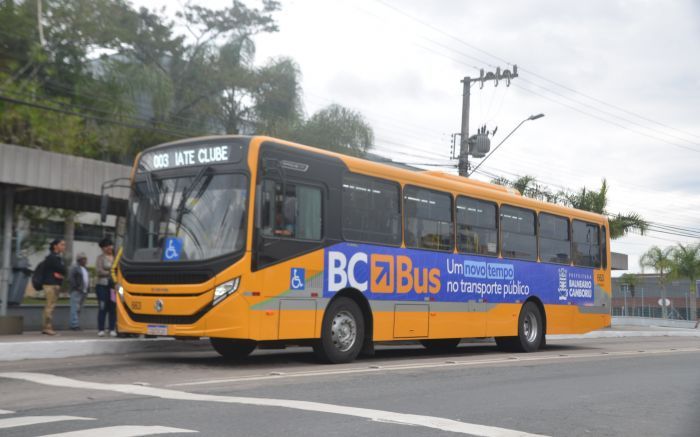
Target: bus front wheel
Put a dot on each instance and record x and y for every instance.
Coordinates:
(342, 332)
(233, 349)
(530, 331)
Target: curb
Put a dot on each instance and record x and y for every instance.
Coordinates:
(622, 334)
(50, 349)
(29, 350)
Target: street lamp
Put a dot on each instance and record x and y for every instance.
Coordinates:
(532, 117)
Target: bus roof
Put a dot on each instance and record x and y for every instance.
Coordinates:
(428, 178)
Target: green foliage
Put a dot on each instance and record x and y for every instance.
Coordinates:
(630, 279)
(584, 199)
(338, 129)
(686, 264)
(658, 260)
(109, 80)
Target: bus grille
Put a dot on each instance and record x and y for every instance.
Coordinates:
(159, 319)
(168, 277)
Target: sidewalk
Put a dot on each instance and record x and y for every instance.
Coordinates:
(34, 345)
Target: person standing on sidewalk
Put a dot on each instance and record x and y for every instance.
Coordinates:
(54, 271)
(79, 281)
(104, 286)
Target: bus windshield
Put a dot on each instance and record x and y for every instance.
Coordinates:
(186, 218)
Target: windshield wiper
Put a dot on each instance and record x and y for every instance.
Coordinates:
(153, 191)
(182, 205)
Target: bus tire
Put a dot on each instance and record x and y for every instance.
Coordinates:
(442, 345)
(530, 336)
(233, 349)
(342, 332)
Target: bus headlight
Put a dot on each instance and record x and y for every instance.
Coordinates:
(120, 292)
(225, 289)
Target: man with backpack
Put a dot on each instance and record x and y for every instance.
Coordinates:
(54, 271)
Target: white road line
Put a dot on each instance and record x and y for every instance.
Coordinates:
(434, 364)
(121, 431)
(439, 423)
(14, 422)
(6, 412)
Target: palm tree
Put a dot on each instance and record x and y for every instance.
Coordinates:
(631, 280)
(686, 264)
(597, 201)
(660, 261)
(585, 199)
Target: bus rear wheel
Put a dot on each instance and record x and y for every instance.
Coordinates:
(442, 345)
(232, 349)
(530, 336)
(342, 332)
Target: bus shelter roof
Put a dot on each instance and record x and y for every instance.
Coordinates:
(57, 180)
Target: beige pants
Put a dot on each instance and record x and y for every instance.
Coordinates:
(51, 298)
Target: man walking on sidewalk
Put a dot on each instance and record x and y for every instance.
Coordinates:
(79, 281)
(54, 271)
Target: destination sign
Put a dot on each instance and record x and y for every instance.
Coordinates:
(189, 155)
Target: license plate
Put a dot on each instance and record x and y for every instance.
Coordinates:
(157, 330)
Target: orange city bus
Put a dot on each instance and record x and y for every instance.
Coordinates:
(255, 241)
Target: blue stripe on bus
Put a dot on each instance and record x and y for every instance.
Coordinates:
(387, 273)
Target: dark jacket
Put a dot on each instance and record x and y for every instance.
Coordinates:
(54, 269)
(75, 279)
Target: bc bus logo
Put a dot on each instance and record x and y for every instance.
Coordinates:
(297, 280)
(380, 273)
(172, 249)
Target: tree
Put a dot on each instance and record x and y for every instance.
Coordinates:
(278, 107)
(597, 201)
(660, 261)
(630, 280)
(338, 129)
(585, 199)
(686, 264)
(132, 74)
(527, 186)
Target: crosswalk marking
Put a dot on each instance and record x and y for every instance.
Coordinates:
(33, 420)
(6, 412)
(122, 431)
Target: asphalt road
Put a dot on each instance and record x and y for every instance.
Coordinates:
(593, 387)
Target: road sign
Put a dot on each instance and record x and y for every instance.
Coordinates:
(664, 302)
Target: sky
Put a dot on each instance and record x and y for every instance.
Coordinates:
(616, 79)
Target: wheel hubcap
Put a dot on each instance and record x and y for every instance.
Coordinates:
(530, 328)
(344, 331)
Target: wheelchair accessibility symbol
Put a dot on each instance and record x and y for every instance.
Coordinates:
(172, 249)
(298, 279)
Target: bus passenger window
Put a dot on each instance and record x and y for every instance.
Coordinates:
(428, 219)
(477, 227)
(586, 247)
(518, 239)
(371, 210)
(290, 211)
(555, 245)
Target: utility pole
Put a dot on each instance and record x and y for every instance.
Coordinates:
(464, 144)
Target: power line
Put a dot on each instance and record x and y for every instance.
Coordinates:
(478, 49)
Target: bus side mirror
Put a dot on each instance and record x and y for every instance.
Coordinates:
(104, 205)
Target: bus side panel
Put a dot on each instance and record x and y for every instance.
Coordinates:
(282, 307)
(560, 319)
(502, 320)
(450, 324)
